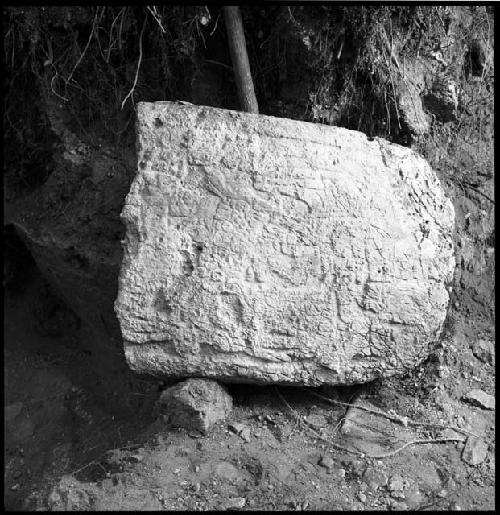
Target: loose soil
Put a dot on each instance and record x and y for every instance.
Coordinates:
(80, 434)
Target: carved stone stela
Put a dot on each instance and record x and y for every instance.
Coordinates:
(261, 249)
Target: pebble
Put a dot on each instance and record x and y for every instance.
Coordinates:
(395, 505)
(414, 498)
(15, 487)
(362, 497)
(475, 451)
(395, 483)
(480, 398)
(374, 478)
(54, 498)
(195, 404)
(484, 350)
(236, 427)
(326, 462)
(357, 467)
(235, 503)
(245, 434)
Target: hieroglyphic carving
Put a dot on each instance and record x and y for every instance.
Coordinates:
(263, 249)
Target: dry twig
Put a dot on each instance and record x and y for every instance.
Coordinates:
(469, 186)
(156, 16)
(414, 442)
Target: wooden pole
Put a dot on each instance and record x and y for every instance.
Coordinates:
(239, 58)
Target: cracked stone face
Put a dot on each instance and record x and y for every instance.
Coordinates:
(261, 249)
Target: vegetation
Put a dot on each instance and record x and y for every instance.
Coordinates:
(73, 76)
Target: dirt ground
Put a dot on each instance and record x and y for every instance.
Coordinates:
(80, 435)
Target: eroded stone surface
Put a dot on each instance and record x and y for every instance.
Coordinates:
(261, 249)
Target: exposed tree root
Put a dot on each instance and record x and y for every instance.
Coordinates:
(404, 421)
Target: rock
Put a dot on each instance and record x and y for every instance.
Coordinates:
(454, 506)
(241, 429)
(54, 498)
(195, 404)
(355, 467)
(409, 99)
(414, 498)
(269, 250)
(235, 503)
(412, 111)
(326, 462)
(451, 433)
(484, 350)
(395, 505)
(227, 471)
(236, 427)
(475, 451)
(72, 228)
(245, 434)
(395, 483)
(362, 497)
(374, 478)
(398, 494)
(480, 398)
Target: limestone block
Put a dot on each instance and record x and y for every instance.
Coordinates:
(261, 249)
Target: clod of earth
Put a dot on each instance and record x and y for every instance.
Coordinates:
(263, 249)
(195, 404)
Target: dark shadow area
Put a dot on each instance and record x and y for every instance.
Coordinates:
(69, 395)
